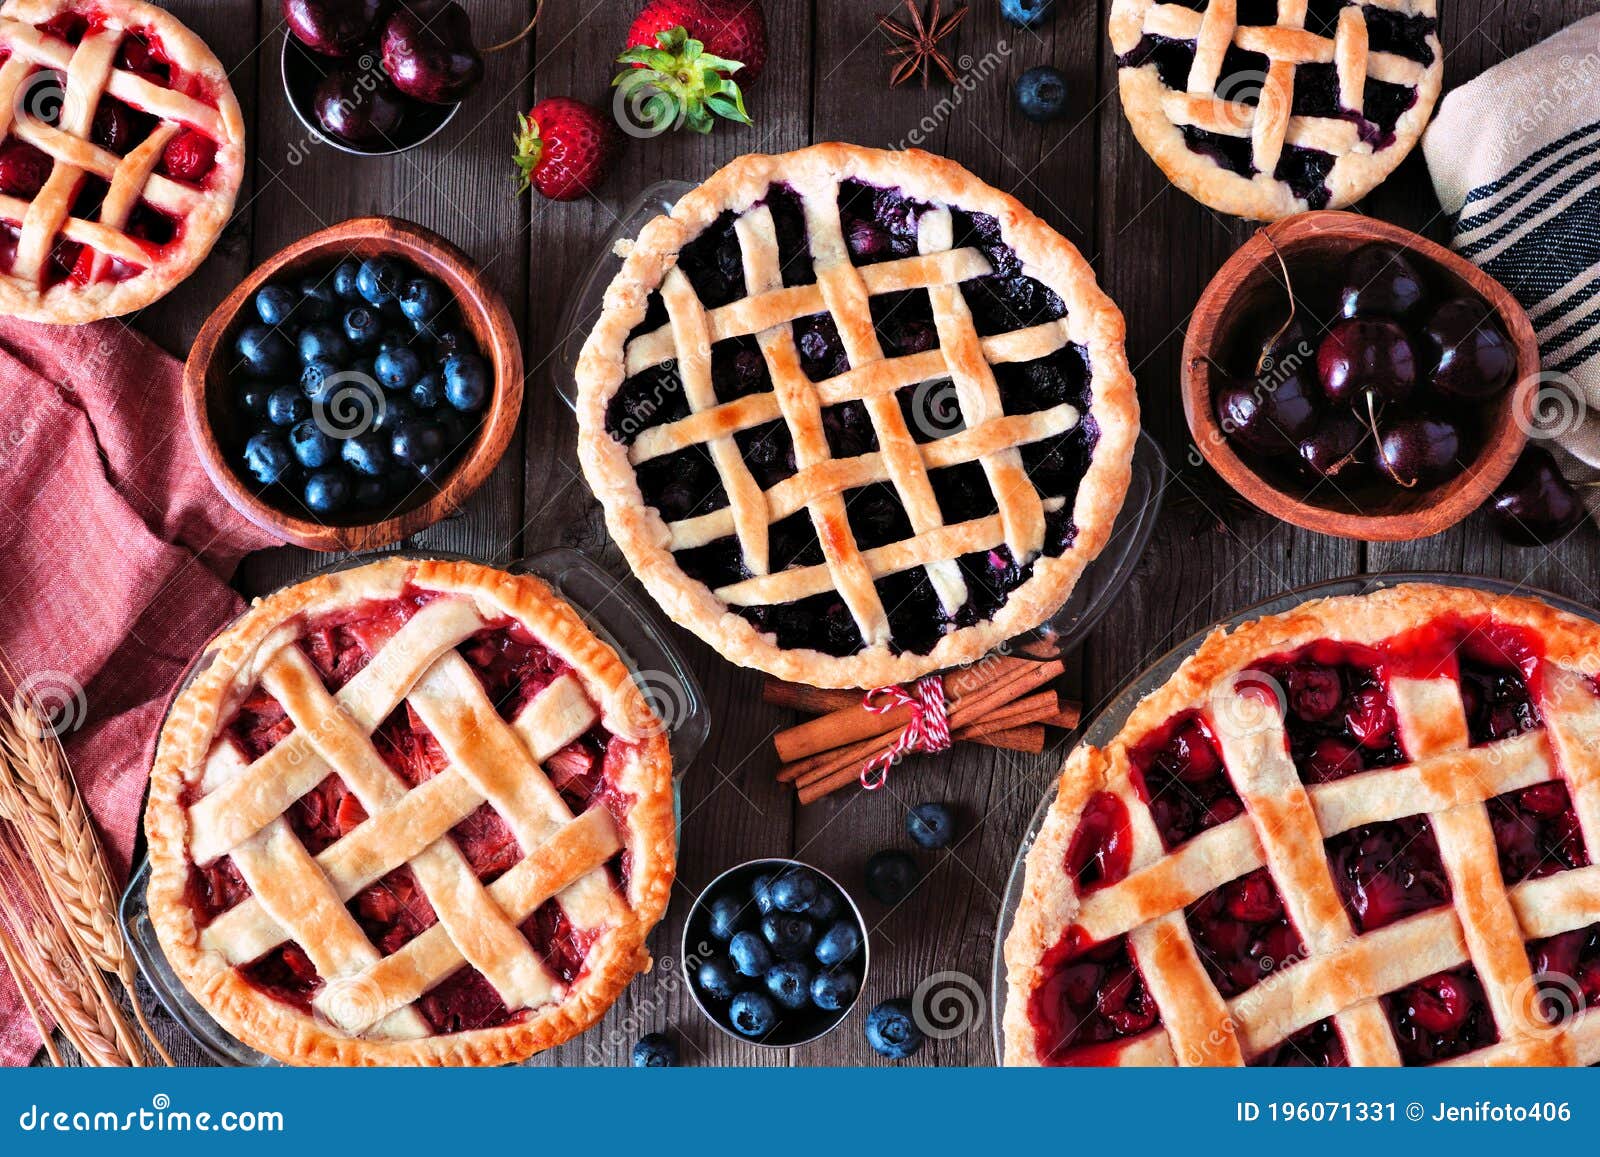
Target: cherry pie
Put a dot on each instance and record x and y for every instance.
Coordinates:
(121, 150)
(1359, 833)
(410, 813)
(854, 415)
(1263, 108)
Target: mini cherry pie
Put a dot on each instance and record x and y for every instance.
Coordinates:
(121, 151)
(855, 416)
(1263, 108)
(409, 813)
(1359, 833)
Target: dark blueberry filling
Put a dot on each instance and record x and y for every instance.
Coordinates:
(1338, 714)
(1441, 1016)
(655, 316)
(789, 222)
(793, 541)
(1001, 304)
(1243, 932)
(963, 492)
(878, 224)
(1567, 968)
(904, 322)
(714, 263)
(768, 450)
(683, 484)
(1317, 1046)
(1028, 387)
(1179, 772)
(876, 516)
(932, 410)
(651, 398)
(991, 577)
(1536, 832)
(1387, 871)
(1256, 13)
(982, 232)
(916, 619)
(1316, 91)
(717, 564)
(738, 369)
(1322, 17)
(1057, 465)
(821, 349)
(1383, 104)
(1092, 995)
(1232, 153)
(1400, 34)
(848, 430)
(821, 622)
(1242, 74)
(1306, 171)
(1060, 531)
(1173, 59)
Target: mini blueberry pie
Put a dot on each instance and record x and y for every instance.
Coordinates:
(1263, 108)
(409, 813)
(121, 151)
(1359, 833)
(855, 416)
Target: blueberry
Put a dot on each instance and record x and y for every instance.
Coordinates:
(832, 991)
(839, 943)
(286, 406)
(274, 303)
(318, 302)
(1042, 93)
(393, 339)
(360, 326)
(421, 299)
(726, 915)
(253, 400)
(466, 381)
(344, 279)
(655, 1051)
(365, 454)
(427, 391)
(761, 893)
(749, 953)
(322, 342)
(416, 442)
(752, 1014)
(317, 377)
(891, 876)
(1027, 13)
(789, 982)
(327, 491)
(795, 890)
(265, 352)
(395, 411)
(790, 936)
(452, 340)
(931, 825)
(267, 457)
(396, 369)
(379, 278)
(825, 907)
(311, 445)
(716, 979)
(892, 1031)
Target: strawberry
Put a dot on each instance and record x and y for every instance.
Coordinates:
(564, 148)
(735, 30)
(677, 84)
(189, 156)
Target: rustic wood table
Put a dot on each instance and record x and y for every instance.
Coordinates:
(1153, 249)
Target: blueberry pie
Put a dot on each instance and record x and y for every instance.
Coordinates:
(1263, 108)
(855, 416)
(1359, 833)
(409, 813)
(121, 150)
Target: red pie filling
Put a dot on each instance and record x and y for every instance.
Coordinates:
(513, 668)
(1178, 771)
(1536, 832)
(1567, 969)
(1441, 1016)
(1102, 847)
(1243, 932)
(1092, 997)
(1337, 711)
(1317, 1046)
(1387, 871)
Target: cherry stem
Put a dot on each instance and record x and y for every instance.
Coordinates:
(521, 36)
(1372, 424)
(1288, 284)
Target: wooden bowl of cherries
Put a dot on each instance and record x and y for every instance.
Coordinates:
(1351, 377)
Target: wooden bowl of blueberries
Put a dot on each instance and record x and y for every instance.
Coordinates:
(1353, 378)
(356, 387)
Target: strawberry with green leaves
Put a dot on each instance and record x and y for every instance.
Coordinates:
(564, 148)
(735, 30)
(678, 84)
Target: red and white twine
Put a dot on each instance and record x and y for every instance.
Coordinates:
(928, 730)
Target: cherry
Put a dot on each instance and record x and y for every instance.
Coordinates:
(332, 27)
(1367, 356)
(113, 126)
(428, 51)
(362, 111)
(1194, 758)
(1315, 692)
(1380, 280)
(1420, 451)
(1268, 418)
(1370, 717)
(1334, 446)
(1469, 352)
(1332, 758)
(23, 169)
(1439, 1003)
(1253, 899)
(1535, 504)
(189, 156)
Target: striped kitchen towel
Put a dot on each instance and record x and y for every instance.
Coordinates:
(1515, 161)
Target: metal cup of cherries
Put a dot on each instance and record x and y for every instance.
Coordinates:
(358, 384)
(775, 952)
(1385, 394)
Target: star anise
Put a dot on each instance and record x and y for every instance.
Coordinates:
(918, 48)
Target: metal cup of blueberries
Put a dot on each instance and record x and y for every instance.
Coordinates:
(357, 384)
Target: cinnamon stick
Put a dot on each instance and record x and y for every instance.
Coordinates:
(1029, 740)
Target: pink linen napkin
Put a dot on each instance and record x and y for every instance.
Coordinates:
(115, 551)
